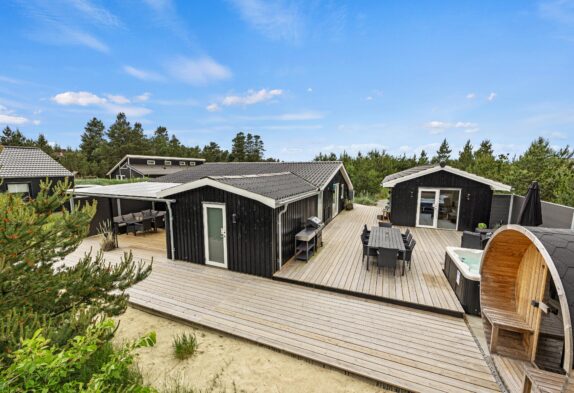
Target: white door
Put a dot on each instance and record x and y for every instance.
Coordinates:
(335, 199)
(427, 207)
(215, 233)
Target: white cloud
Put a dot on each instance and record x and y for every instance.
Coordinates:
(112, 105)
(353, 148)
(491, 96)
(142, 74)
(96, 14)
(310, 90)
(437, 127)
(36, 122)
(471, 96)
(310, 115)
(213, 107)
(12, 119)
(561, 11)
(82, 98)
(558, 135)
(142, 97)
(275, 20)
(200, 71)
(369, 98)
(78, 37)
(117, 99)
(252, 97)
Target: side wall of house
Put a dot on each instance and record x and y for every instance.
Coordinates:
(294, 220)
(251, 230)
(328, 194)
(475, 201)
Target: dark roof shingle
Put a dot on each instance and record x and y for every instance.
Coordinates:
(318, 173)
(16, 161)
(407, 172)
(277, 186)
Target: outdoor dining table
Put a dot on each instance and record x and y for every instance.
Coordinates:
(386, 238)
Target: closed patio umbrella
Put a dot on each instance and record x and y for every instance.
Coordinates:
(531, 211)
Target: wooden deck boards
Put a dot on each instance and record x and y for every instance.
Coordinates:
(339, 265)
(412, 349)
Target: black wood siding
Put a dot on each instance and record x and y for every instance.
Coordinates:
(404, 198)
(328, 197)
(292, 221)
(251, 241)
(34, 183)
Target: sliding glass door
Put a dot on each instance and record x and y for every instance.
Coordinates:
(438, 208)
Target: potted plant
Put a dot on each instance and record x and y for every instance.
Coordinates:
(348, 204)
(482, 225)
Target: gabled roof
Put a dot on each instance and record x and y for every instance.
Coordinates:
(318, 173)
(31, 162)
(423, 170)
(272, 189)
(120, 162)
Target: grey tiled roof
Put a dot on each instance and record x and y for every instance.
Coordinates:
(407, 172)
(560, 245)
(318, 173)
(156, 170)
(277, 186)
(18, 161)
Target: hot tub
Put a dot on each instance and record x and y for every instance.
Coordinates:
(462, 269)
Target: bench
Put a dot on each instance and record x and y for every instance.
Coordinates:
(542, 381)
(504, 320)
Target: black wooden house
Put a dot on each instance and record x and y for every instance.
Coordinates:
(439, 196)
(240, 216)
(138, 166)
(22, 169)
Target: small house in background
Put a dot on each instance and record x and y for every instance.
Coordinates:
(135, 166)
(23, 168)
(440, 196)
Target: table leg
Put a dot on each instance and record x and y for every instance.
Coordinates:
(368, 255)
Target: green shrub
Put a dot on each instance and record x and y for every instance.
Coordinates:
(87, 364)
(365, 199)
(184, 345)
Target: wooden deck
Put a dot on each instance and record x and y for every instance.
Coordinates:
(339, 265)
(393, 345)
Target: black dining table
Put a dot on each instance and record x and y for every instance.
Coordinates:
(387, 238)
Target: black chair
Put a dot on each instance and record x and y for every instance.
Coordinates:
(387, 258)
(471, 240)
(407, 239)
(383, 224)
(407, 255)
(406, 234)
(366, 230)
(367, 251)
(144, 225)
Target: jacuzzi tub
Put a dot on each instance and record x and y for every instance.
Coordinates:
(462, 269)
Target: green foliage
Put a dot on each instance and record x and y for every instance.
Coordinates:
(37, 290)
(482, 225)
(365, 198)
(184, 345)
(108, 240)
(38, 365)
(107, 182)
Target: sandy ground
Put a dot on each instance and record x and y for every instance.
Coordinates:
(241, 365)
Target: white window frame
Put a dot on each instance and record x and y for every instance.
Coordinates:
(120, 177)
(167, 163)
(436, 204)
(221, 206)
(27, 192)
(182, 163)
(192, 163)
(342, 196)
(151, 162)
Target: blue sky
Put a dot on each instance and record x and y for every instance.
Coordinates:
(308, 76)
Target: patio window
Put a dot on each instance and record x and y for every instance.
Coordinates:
(151, 162)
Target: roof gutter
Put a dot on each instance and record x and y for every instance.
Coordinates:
(296, 198)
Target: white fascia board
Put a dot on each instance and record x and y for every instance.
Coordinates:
(494, 185)
(345, 176)
(222, 186)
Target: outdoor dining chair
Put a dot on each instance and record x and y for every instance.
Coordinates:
(367, 251)
(383, 224)
(407, 255)
(387, 258)
(406, 234)
(407, 239)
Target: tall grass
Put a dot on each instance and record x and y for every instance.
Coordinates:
(100, 181)
(184, 345)
(364, 198)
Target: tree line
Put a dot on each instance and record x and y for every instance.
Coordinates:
(553, 168)
(100, 148)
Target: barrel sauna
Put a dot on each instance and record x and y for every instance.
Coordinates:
(527, 301)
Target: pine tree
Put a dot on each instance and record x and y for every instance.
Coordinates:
(14, 138)
(238, 151)
(93, 139)
(423, 158)
(466, 156)
(443, 153)
(36, 290)
(160, 141)
(43, 144)
(213, 153)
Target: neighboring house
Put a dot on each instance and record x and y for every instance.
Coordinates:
(439, 196)
(240, 216)
(23, 168)
(134, 166)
